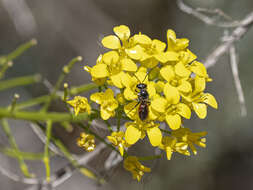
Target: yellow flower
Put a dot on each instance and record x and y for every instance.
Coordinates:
(127, 47)
(132, 164)
(107, 103)
(177, 82)
(80, 105)
(117, 139)
(200, 70)
(172, 113)
(154, 53)
(137, 130)
(98, 74)
(174, 43)
(170, 145)
(198, 100)
(185, 135)
(130, 91)
(86, 141)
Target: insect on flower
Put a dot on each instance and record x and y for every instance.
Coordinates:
(143, 99)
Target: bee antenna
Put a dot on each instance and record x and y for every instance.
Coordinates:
(145, 77)
(137, 78)
(147, 74)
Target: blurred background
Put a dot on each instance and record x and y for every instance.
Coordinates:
(66, 29)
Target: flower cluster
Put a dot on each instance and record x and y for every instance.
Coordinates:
(132, 164)
(86, 141)
(173, 86)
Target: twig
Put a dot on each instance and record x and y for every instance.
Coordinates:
(236, 35)
(14, 177)
(42, 137)
(206, 19)
(113, 160)
(238, 86)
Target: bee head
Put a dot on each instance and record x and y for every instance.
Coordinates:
(141, 86)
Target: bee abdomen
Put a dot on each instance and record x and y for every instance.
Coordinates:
(143, 111)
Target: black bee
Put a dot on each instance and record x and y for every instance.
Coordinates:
(143, 100)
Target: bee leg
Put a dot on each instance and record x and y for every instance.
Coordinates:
(133, 108)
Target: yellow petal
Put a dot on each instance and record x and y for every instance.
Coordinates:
(111, 42)
(128, 65)
(150, 63)
(200, 84)
(113, 140)
(182, 43)
(171, 35)
(151, 89)
(191, 56)
(99, 59)
(210, 100)
(174, 121)
(128, 81)
(121, 149)
(184, 110)
(87, 69)
(199, 69)
(116, 80)
(109, 94)
(131, 110)
(159, 45)
(181, 70)
(155, 136)
(135, 53)
(122, 32)
(200, 109)
(129, 94)
(167, 56)
(110, 57)
(159, 86)
(171, 93)
(142, 39)
(185, 87)
(96, 97)
(167, 73)
(154, 72)
(168, 152)
(141, 75)
(159, 104)
(152, 114)
(105, 114)
(132, 135)
(99, 71)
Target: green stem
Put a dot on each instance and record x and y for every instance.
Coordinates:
(146, 158)
(4, 68)
(14, 145)
(44, 98)
(108, 125)
(32, 102)
(19, 81)
(118, 119)
(85, 171)
(82, 88)
(20, 50)
(46, 158)
(42, 116)
(26, 155)
(165, 131)
(66, 69)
